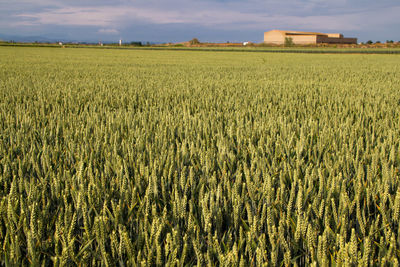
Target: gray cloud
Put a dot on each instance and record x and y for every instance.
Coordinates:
(121, 16)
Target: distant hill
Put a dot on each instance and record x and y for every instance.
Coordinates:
(27, 39)
(41, 39)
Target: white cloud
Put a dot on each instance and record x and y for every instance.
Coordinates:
(108, 31)
(67, 16)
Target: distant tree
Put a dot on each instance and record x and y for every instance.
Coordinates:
(389, 41)
(369, 42)
(289, 41)
(378, 42)
(194, 41)
(136, 43)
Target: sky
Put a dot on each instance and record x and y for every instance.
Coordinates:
(207, 20)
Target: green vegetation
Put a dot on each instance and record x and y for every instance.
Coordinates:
(136, 44)
(289, 42)
(184, 158)
(194, 41)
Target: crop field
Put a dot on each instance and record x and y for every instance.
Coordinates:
(260, 48)
(182, 158)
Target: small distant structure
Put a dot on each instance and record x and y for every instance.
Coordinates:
(60, 43)
(120, 42)
(297, 37)
(246, 43)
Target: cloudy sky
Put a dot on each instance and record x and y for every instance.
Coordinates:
(208, 20)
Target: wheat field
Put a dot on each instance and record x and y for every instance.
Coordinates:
(181, 158)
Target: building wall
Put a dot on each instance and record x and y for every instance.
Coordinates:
(329, 40)
(335, 35)
(274, 37)
(303, 39)
(278, 37)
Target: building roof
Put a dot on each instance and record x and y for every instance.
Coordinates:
(299, 32)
